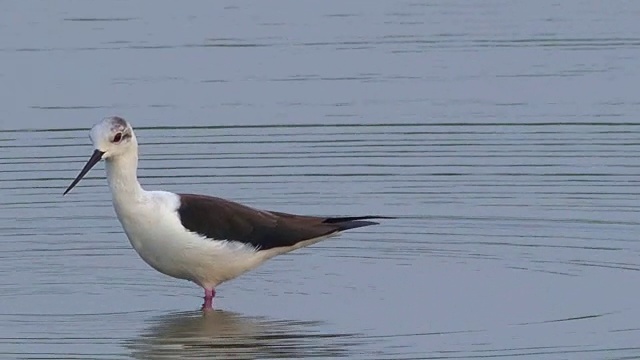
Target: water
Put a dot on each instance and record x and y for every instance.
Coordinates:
(503, 135)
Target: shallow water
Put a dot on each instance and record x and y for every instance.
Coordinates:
(502, 136)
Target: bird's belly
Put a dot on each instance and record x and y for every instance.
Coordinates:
(188, 256)
(160, 253)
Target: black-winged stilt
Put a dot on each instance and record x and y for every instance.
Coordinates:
(204, 239)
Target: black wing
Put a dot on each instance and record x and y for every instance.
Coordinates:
(220, 219)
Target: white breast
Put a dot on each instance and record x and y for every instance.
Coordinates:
(153, 227)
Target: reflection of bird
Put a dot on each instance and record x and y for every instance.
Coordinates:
(199, 238)
(190, 335)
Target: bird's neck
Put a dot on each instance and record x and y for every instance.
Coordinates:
(123, 178)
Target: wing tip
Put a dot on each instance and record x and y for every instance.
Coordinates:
(354, 222)
(337, 220)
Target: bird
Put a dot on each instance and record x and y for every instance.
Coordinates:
(203, 239)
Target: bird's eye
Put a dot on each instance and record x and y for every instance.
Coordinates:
(117, 138)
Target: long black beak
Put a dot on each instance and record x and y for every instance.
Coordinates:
(95, 158)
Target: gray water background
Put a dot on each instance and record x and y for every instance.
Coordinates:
(502, 134)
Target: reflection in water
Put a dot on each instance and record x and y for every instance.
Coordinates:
(194, 335)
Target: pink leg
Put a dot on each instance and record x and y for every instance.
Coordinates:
(208, 299)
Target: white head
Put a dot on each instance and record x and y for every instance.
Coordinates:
(112, 137)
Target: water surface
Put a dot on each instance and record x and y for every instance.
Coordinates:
(503, 136)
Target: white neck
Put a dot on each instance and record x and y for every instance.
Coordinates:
(122, 177)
